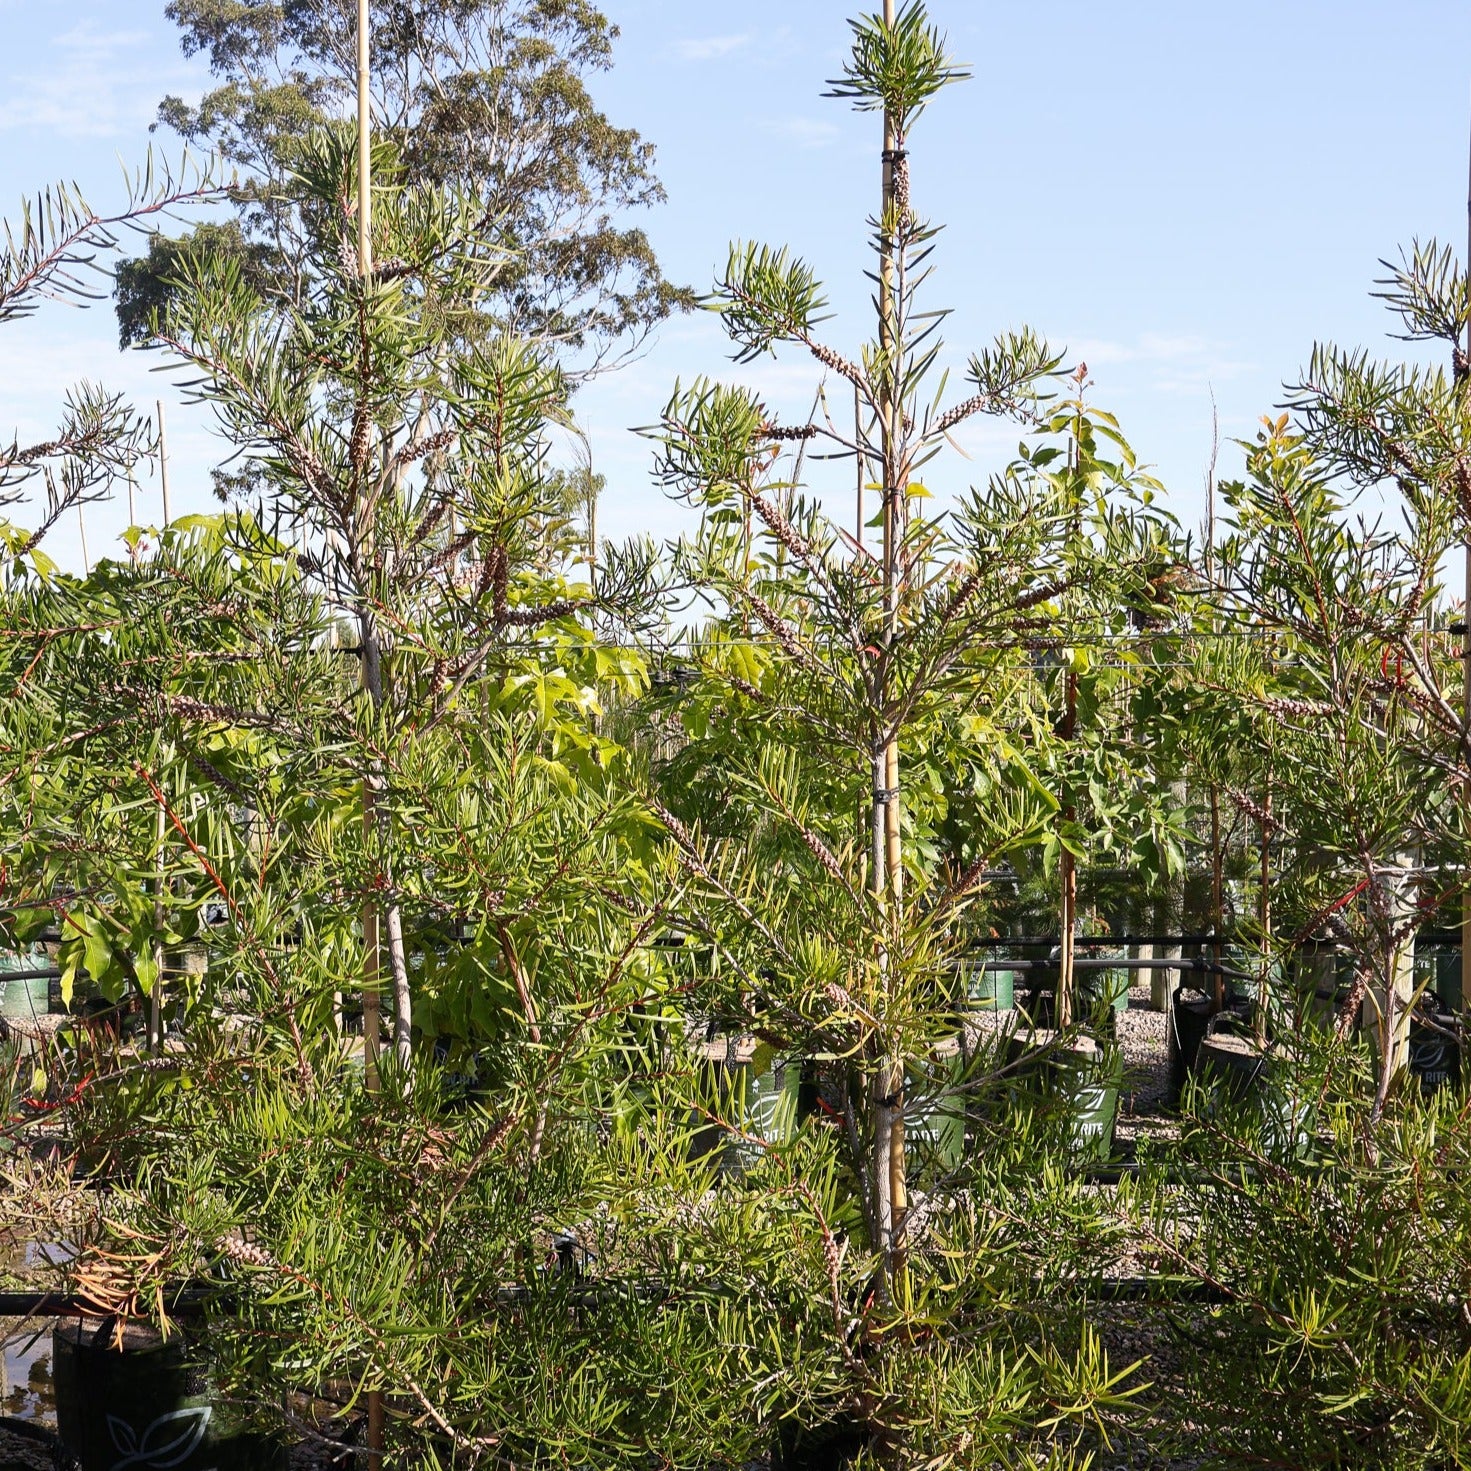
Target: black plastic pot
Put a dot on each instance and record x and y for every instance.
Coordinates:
(1435, 1051)
(1097, 1000)
(1236, 1069)
(143, 1407)
(1190, 1016)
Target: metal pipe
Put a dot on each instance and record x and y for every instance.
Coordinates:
(1095, 941)
(1197, 967)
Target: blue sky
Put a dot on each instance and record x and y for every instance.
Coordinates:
(1186, 195)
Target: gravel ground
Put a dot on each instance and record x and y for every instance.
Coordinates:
(20, 1451)
(1144, 1042)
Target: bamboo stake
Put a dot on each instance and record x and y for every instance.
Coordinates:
(82, 530)
(1466, 652)
(1218, 898)
(370, 909)
(1264, 911)
(592, 519)
(1466, 717)
(861, 461)
(365, 144)
(1218, 876)
(155, 998)
(371, 1021)
(163, 465)
(1062, 1002)
(890, 1175)
(1067, 864)
(891, 429)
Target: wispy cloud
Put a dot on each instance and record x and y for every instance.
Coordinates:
(708, 48)
(93, 86)
(1173, 364)
(86, 39)
(803, 132)
(1148, 347)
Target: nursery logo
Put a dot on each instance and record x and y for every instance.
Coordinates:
(168, 1441)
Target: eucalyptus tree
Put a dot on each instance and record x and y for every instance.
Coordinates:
(812, 861)
(490, 98)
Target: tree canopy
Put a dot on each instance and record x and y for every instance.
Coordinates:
(493, 97)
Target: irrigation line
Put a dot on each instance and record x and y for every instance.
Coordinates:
(193, 1300)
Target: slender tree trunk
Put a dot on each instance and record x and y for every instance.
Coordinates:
(372, 947)
(403, 1049)
(1396, 992)
(1067, 947)
(1162, 982)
